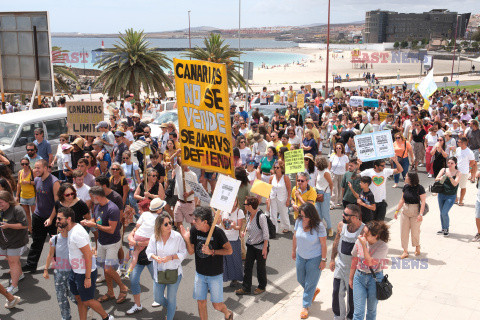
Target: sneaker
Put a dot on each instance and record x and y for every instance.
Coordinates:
(477, 238)
(445, 233)
(22, 276)
(135, 309)
(110, 317)
(155, 304)
(127, 275)
(430, 175)
(101, 278)
(12, 289)
(441, 232)
(13, 303)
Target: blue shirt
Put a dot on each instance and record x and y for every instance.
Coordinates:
(244, 115)
(308, 243)
(44, 148)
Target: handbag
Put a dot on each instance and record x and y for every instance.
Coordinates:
(437, 187)
(426, 209)
(384, 287)
(169, 276)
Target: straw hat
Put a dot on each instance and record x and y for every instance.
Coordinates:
(78, 142)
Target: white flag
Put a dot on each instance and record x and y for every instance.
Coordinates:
(427, 87)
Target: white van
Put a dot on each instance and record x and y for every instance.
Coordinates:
(17, 129)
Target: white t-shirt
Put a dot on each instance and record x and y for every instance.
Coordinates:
(338, 164)
(82, 193)
(463, 159)
(63, 160)
(147, 224)
(128, 108)
(227, 218)
(378, 185)
(78, 238)
(189, 176)
(129, 136)
(245, 154)
(263, 97)
(431, 140)
(252, 175)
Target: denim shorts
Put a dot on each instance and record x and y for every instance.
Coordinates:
(477, 209)
(27, 202)
(77, 285)
(203, 284)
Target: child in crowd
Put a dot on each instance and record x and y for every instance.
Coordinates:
(251, 171)
(365, 199)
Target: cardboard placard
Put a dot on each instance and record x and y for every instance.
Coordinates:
(261, 188)
(300, 100)
(356, 101)
(205, 132)
(373, 146)
(83, 117)
(225, 193)
(294, 161)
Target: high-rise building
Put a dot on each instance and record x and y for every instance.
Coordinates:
(387, 26)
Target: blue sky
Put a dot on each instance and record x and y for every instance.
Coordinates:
(112, 16)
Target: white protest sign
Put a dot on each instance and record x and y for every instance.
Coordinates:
(199, 191)
(225, 193)
(373, 146)
(356, 101)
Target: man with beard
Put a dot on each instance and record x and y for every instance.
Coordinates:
(348, 231)
(43, 219)
(84, 268)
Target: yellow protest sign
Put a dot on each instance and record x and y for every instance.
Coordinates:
(383, 115)
(261, 188)
(83, 117)
(204, 115)
(294, 161)
(300, 100)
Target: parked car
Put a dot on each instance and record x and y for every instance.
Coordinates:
(17, 129)
(163, 117)
(268, 110)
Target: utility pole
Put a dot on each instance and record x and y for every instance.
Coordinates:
(189, 35)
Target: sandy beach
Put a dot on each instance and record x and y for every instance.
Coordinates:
(312, 69)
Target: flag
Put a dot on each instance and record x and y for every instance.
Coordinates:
(427, 87)
(426, 104)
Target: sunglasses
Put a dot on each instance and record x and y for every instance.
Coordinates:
(242, 141)
(166, 224)
(69, 194)
(125, 158)
(397, 138)
(30, 150)
(115, 169)
(24, 164)
(277, 167)
(348, 215)
(153, 175)
(301, 180)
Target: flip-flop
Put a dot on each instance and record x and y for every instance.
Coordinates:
(230, 317)
(122, 297)
(461, 204)
(105, 298)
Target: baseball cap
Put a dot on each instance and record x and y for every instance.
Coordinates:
(119, 134)
(102, 124)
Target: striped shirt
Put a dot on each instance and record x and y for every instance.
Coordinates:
(256, 236)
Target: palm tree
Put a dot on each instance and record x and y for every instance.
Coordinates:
(60, 71)
(216, 51)
(133, 65)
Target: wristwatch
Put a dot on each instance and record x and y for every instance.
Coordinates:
(324, 259)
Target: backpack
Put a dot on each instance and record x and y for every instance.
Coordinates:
(272, 231)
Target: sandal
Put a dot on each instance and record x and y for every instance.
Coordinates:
(317, 291)
(122, 297)
(461, 204)
(105, 298)
(230, 317)
(304, 314)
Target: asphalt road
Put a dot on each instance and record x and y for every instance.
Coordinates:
(39, 299)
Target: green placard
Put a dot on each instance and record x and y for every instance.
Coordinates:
(294, 162)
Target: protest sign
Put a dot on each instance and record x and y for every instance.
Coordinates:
(261, 188)
(373, 146)
(294, 161)
(204, 115)
(300, 100)
(383, 115)
(308, 87)
(428, 86)
(225, 193)
(370, 103)
(356, 101)
(199, 191)
(83, 117)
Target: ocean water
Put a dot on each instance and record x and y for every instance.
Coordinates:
(83, 47)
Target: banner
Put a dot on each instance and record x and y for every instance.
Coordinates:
(225, 193)
(300, 101)
(294, 162)
(83, 117)
(204, 115)
(356, 101)
(370, 103)
(261, 188)
(373, 146)
(383, 115)
(428, 86)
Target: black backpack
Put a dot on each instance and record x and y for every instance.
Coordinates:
(272, 231)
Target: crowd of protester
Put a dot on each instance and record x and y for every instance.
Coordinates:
(95, 188)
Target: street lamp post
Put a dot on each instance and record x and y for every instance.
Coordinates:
(328, 51)
(189, 36)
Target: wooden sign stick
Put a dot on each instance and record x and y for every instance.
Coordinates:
(218, 214)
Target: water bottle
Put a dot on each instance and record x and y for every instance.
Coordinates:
(131, 250)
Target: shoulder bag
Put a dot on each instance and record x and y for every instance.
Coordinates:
(168, 276)
(426, 209)
(384, 287)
